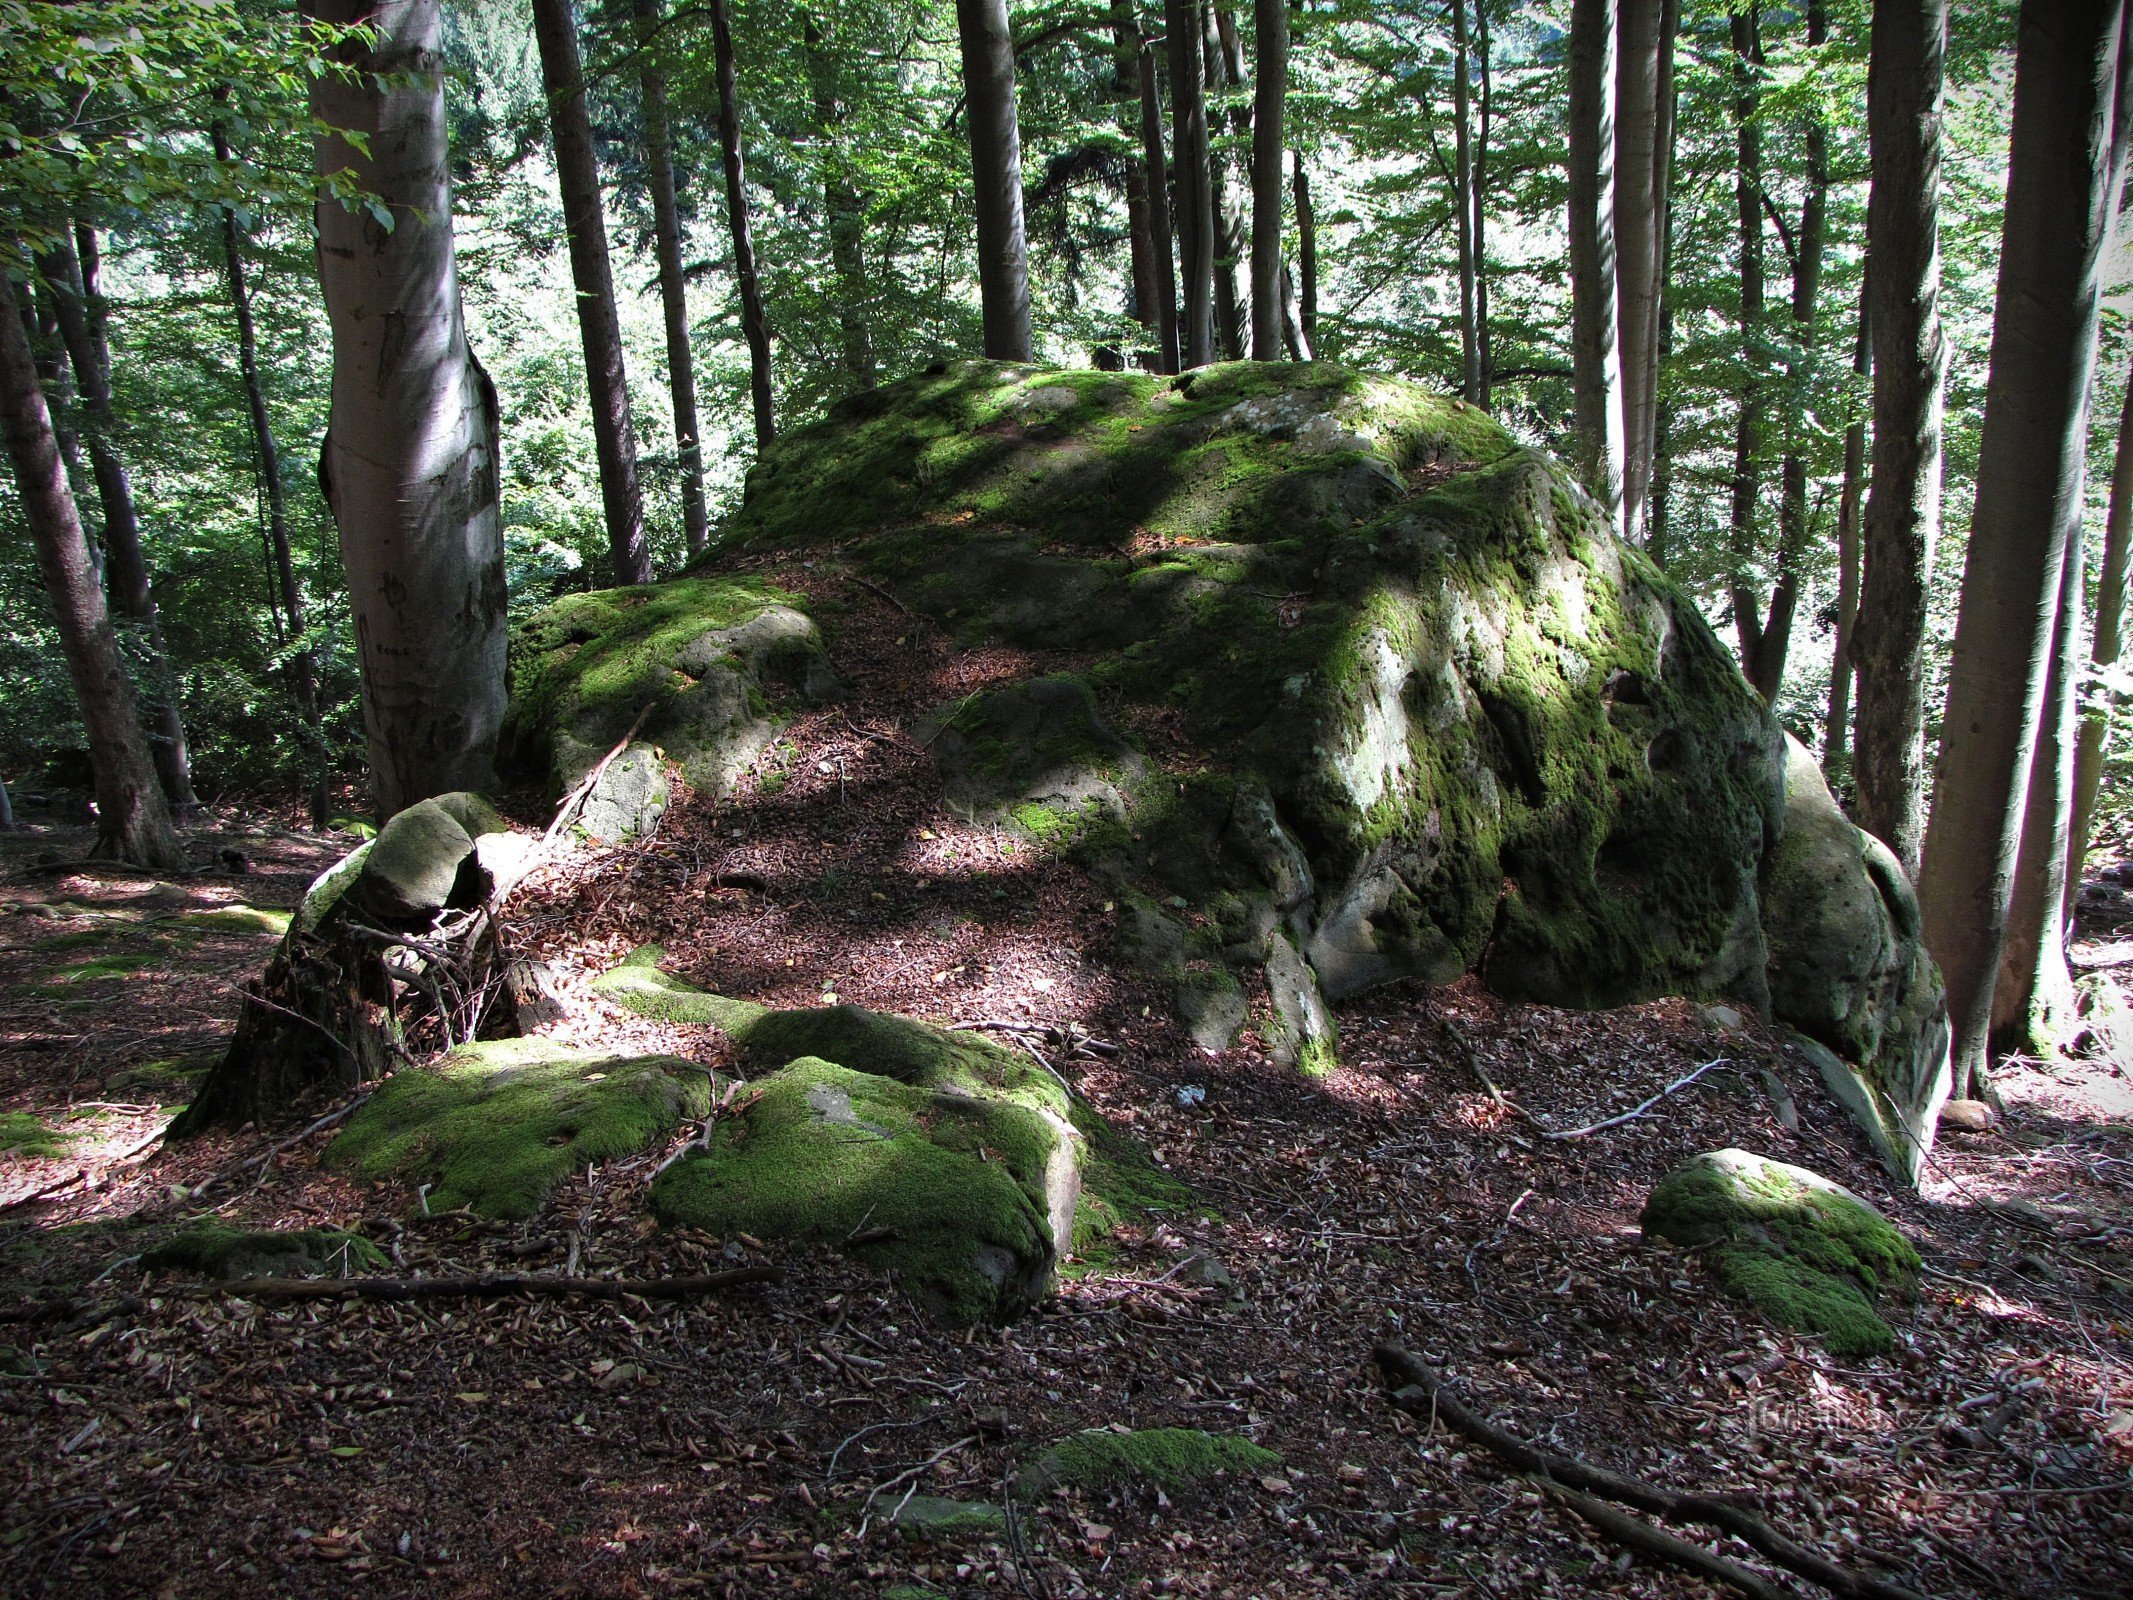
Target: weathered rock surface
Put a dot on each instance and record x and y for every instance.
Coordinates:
(1439, 720)
(1849, 969)
(963, 1168)
(1810, 1254)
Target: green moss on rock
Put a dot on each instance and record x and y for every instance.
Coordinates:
(496, 1125)
(1811, 1255)
(213, 1249)
(1170, 1459)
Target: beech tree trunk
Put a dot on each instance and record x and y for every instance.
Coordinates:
(1643, 154)
(1125, 83)
(1159, 229)
(1463, 204)
(2029, 483)
(1223, 64)
(673, 287)
(132, 821)
(1836, 739)
(41, 322)
(78, 303)
(1306, 257)
(2103, 652)
(841, 201)
(1903, 96)
(2033, 992)
(996, 166)
(1595, 346)
(410, 463)
(1748, 426)
(1481, 204)
(1270, 28)
(755, 325)
(303, 662)
(607, 384)
(1195, 205)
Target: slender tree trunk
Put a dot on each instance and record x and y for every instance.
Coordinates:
(600, 330)
(1836, 741)
(2029, 480)
(1909, 42)
(1223, 64)
(410, 463)
(755, 325)
(1195, 213)
(2103, 652)
(1306, 257)
(1159, 231)
(1463, 204)
(2033, 993)
(1748, 427)
(996, 164)
(1486, 352)
(673, 287)
(1270, 27)
(1643, 150)
(1125, 83)
(7, 809)
(132, 822)
(78, 302)
(1767, 672)
(1595, 347)
(41, 322)
(303, 663)
(847, 227)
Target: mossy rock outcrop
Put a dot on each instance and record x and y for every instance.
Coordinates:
(1435, 718)
(1808, 1253)
(215, 1250)
(965, 1169)
(494, 1126)
(1849, 969)
(1170, 1459)
(707, 662)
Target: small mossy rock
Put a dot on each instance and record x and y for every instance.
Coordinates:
(1849, 969)
(824, 1153)
(1807, 1252)
(420, 861)
(1170, 1459)
(936, 1519)
(216, 1250)
(628, 799)
(497, 1124)
(236, 919)
(1300, 1033)
(706, 660)
(1035, 755)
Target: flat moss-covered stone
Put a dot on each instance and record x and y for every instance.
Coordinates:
(1808, 1253)
(216, 1250)
(934, 1517)
(496, 1125)
(1170, 1459)
(947, 1190)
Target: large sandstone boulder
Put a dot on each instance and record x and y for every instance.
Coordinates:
(1437, 719)
(1849, 969)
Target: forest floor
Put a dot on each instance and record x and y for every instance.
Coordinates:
(169, 1440)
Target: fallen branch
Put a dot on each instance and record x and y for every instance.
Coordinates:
(1417, 1390)
(572, 800)
(1472, 1062)
(1659, 1545)
(1638, 1110)
(494, 1286)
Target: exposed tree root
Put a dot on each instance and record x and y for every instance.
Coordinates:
(1417, 1390)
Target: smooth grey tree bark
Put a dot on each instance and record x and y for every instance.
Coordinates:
(1747, 478)
(1195, 206)
(1837, 729)
(1161, 245)
(1483, 132)
(410, 463)
(1223, 65)
(1595, 345)
(996, 170)
(1270, 31)
(1463, 203)
(1909, 43)
(1306, 257)
(847, 224)
(2029, 487)
(755, 323)
(132, 821)
(555, 30)
(77, 300)
(1125, 85)
(303, 661)
(1643, 158)
(2104, 651)
(673, 286)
